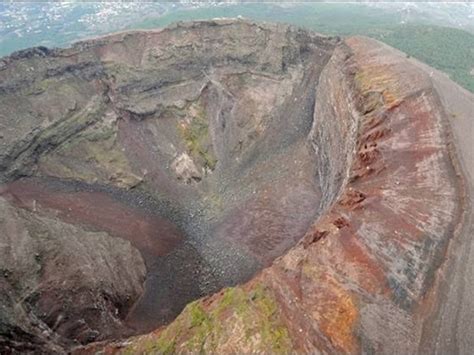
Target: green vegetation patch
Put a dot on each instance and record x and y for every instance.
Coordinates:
(250, 317)
(447, 49)
(198, 141)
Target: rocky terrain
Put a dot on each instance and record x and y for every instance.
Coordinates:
(314, 190)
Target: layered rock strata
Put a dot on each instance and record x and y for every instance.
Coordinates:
(144, 170)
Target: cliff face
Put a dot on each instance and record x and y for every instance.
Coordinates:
(160, 167)
(60, 282)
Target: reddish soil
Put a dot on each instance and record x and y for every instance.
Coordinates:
(151, 234)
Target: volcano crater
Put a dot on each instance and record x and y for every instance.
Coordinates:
(145, 174)
(200, 144)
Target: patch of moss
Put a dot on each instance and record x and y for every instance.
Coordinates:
(238, 315)
(198, 316)
(197, 139)
(230, 296)
(274, 334)
(258, 312)
(149, 344)
(202, 325)
(165, 346)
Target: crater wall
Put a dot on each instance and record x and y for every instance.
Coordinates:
(364, 277)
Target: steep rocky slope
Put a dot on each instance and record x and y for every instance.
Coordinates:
(364, 277)
(145, 170)
(449, 328)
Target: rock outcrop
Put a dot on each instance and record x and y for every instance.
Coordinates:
(60, 284)
(307, 186)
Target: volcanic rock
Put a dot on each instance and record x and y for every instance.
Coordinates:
(309, 187)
